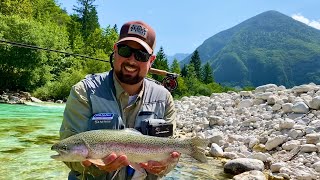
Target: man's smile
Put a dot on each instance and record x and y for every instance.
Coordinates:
(130, 68)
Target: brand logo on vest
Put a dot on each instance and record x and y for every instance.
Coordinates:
(103, 116)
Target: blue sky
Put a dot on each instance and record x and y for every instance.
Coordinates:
(183, 25)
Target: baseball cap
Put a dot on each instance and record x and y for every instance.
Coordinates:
(139, 32)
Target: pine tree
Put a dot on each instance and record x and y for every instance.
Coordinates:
(115, 27)
(88, 17)
(175, 67)
(207, 74)
(184, 71)
(195, 60)
(161, 62)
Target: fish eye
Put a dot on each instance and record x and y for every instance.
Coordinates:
(64, 147)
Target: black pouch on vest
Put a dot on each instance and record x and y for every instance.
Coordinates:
(105, 121)
(156, 127)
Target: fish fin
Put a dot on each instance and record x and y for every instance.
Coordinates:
(97, 162)
(133, 131)
(198, 149)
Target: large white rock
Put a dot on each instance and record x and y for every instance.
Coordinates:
(300, 107)
(308, 148)
(264, 95)
(316, 166)
(275, 142)
(264, 88)
(230, 155)
(216, 137)
(313, 138)
(277, 166)
(216, 150)
(245, 103)
(272, 99)
(289, 145)
(315, 103)
(287, 123)
(276, 107)
(302, 88)
(245, 93)
(259, 155)
(33, 99)
(250, 175)
(287, 107)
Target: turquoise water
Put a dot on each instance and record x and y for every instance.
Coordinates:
(27, 133)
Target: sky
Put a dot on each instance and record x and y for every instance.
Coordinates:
(183, 25)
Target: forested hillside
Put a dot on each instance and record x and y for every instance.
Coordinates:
(50, 75)
(43, 23)
(268, 48)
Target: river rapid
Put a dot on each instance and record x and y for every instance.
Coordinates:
(27, 133)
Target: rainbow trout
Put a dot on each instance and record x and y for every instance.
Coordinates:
(97, 144)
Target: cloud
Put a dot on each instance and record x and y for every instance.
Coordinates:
(312, 23)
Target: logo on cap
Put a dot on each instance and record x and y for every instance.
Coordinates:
(138, 30)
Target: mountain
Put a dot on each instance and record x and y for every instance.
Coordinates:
(268, 48)
(178, 56)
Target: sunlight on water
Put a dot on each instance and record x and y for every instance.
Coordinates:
(28, 132)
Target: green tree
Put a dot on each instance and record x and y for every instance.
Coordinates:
(182, 89)
(207, 74)
(175, 66)
(75, 35)
(88, 17)
(161, 62)
(191, 77)
(16, 7)
(47, 11)
(115, 27)
(41, 10)
(195, 60)
(184, 71)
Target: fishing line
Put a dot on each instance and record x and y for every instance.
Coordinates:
(47, 49)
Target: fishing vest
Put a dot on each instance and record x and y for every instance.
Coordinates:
(102, 99)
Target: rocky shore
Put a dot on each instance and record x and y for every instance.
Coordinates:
(20, 97)
(269, 133)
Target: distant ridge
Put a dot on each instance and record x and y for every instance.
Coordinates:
(178, 56)
(267, 48)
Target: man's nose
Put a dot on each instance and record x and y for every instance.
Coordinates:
(131, 57)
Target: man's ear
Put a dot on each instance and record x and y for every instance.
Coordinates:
(152, 59)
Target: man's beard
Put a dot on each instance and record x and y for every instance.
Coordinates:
(128, 79)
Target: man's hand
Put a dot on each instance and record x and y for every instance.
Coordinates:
(163, 167)
(112, 161)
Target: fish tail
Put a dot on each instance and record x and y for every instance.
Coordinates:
(198, 149)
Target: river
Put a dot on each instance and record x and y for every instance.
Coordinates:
(28, 131)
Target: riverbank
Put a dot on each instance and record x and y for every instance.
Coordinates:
(21, 97)
(271, 129)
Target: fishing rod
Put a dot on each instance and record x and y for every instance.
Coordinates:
(170, 81)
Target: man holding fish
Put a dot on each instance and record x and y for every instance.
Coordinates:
(122, 98)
